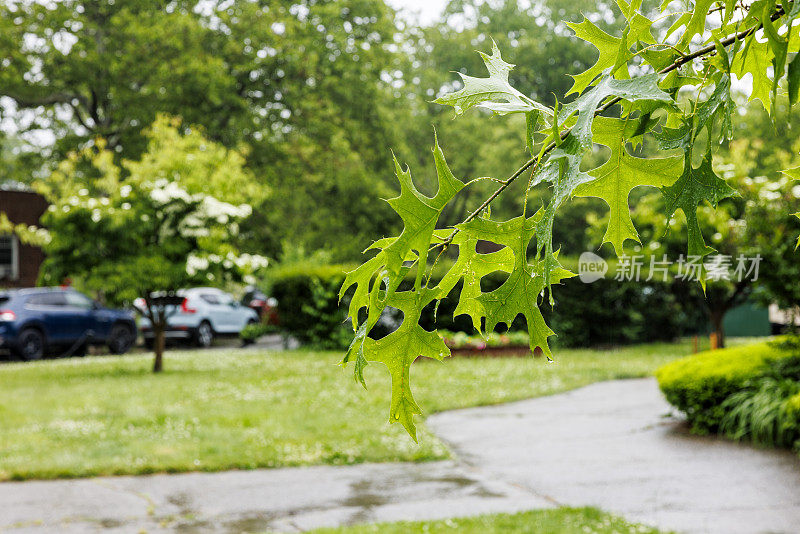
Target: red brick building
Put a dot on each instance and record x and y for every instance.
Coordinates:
(19, 263)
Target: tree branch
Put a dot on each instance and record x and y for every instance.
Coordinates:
(49, 100)
(679, 62)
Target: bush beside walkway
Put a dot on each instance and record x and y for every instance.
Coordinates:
(746, 393)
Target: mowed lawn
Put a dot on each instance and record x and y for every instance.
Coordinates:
(555, 521)
(229, 408)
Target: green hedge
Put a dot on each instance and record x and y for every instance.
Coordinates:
(605, 312)
(308, 303)
(699, 385)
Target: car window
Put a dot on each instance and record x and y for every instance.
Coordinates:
(79, 301)
(225, 299)
(209, 298)
(47, 299)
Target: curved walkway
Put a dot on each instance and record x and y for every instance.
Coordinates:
(609, 445)
(606, 445)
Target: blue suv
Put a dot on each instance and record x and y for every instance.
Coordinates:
(37, 321)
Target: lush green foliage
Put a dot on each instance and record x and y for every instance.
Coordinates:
(308, 307)
(170, 224)
(252, 332)
(226, 409)
(701, 384)
(555, 521)
(606, 312)
(753, 224)
(764, 412)
(148, 233)
(557, 138)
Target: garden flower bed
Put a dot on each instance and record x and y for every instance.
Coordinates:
(494, 344)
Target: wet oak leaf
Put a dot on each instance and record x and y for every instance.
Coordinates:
(494, 93)
(398, 350)
(695, 185)
(620, 174)
(471, 266)
(521, 291)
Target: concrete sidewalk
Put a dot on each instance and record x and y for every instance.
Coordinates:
(287, 500)
(606, 445)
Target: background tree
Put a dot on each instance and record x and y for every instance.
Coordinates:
(165, 226)
(306, 85)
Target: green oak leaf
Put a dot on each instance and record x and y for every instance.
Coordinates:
(562, 169)
(607, 47)
(398, 350)
(694, 186)
(693, 20)
(755, 59)
(612, 51)
(614, 179)
(641, 88)
(520, 292)
(419, 213)
(683, 136)
(494, 93)
(471, 267)
(378, 278)
(798, 239)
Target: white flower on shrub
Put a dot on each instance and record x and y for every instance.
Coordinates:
(168, 192)
(194, 264)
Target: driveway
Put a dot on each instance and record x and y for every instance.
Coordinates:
(606, 445)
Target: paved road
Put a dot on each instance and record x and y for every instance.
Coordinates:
(605, 445)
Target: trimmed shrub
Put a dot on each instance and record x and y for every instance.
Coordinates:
(308, 304)
(699, 385)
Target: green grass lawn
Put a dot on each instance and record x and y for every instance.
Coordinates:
(226, 409)
(556, 521)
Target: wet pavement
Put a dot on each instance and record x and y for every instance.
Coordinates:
(606, 445)
(286, 500)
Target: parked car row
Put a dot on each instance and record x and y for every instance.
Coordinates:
(38, 321)
(35, 322)
(204, 313)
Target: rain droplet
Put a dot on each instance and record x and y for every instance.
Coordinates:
(397, 416)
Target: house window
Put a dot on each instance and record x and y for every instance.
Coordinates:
(9, 258)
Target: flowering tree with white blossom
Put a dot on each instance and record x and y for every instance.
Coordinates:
(145, 230)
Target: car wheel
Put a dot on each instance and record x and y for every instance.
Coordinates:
(121, 339)
(204, 335)
(31, 344)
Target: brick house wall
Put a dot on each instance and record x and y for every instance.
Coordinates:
(22, 207)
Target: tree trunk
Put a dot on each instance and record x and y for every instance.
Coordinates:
(716, 323)
(158, 347)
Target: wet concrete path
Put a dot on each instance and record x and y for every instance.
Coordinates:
(286, 500)
(605, 445)
(608, 445)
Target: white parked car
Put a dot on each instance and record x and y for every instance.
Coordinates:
(206, 312)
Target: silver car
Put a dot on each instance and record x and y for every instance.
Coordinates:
(205, 312)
